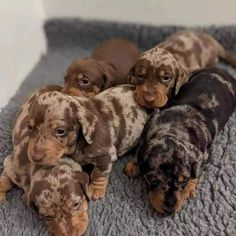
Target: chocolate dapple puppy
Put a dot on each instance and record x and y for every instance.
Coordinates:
(175, 144)
(93, 131)
(108, 66)
(160, 72)
(58, 191)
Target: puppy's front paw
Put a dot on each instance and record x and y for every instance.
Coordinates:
(131, 169)
(97, 192)
(97, 188)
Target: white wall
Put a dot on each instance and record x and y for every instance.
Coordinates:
(187, 12)
(22, 38)
(21, 42)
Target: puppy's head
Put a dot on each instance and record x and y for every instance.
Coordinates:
(157, 76)
(88, 77)
(56, 124)
(60, 194)
(171, 169)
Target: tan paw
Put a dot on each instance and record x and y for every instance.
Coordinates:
(96, 192)
(131, 169)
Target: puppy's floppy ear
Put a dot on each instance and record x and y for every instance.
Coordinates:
(197, 163)
(131, 75)
(87, 120)
(26, 198)
(83, 179)
(88, 124)
(182, 77)
(196, 169)
(109, 72)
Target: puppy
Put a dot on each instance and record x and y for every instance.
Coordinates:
(175, 143)
(93, 131)
(161, 71)
(58, 191)
(108, 66)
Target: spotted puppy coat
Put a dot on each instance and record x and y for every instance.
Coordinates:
(58, 191)
(108, 66)
(175, 143)
(161, 71)
(93, 131)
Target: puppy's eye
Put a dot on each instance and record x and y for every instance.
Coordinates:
(140, 77)
(166, 78)
(49, 218)
(153, 182)
(60, 132)
(30, 128)
(84, 82)
(77, 205)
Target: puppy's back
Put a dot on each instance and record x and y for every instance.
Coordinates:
(212, 92)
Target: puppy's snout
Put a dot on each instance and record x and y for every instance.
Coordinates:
(149, 97)
(38, 154)
(169, 207)
(170, 202)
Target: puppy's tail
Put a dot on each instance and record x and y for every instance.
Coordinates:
(225, 55)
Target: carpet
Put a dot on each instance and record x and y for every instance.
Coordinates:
(125, 210)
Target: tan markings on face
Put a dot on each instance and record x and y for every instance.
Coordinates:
(80, 76)
(186, 193)
(157, 96)
(181, 178)
(157, 200)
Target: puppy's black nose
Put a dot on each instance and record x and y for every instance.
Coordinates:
(170, 202)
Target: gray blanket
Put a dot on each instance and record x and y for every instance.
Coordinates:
(125, 209)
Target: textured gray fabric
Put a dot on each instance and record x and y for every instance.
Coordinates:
(125, 210)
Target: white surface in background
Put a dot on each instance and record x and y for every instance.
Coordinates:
(22, 38)
(21, 43)
(164, 12)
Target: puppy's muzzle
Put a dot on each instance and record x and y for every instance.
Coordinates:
(38, 154)
(145, 97)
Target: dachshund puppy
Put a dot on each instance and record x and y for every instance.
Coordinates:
(93, 131)
(175, 144)
(58, 191)
(161, 71)
(108, 66)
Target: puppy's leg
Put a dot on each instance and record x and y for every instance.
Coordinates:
(132, 169)
(100, 176)
(99, 182)
(5, 185)
(190, 189)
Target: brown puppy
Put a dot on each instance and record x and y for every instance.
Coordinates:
(108, 66)
(94, 131)
(161, 71)
(58, 191)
